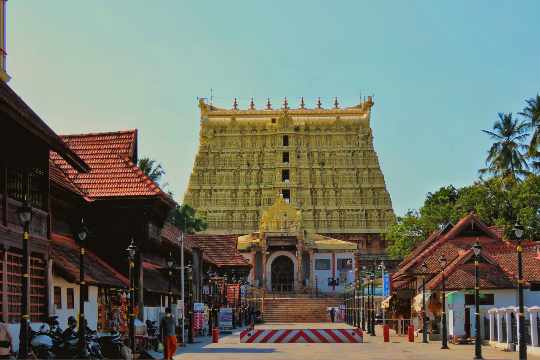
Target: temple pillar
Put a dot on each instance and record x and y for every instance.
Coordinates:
(300, 271)
(534, 326)
(491, 326)
(508, 315)
(312, 277)
(263, 275)
(499, 327)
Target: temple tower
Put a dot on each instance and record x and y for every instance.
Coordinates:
(320, 160)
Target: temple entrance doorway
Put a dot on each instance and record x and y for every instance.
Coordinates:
(282, 274)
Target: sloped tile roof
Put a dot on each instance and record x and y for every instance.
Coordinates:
(491, 277)
(66, 254)
(498, 271)
(449, 244)
(57, 176)
(29, 120)
(113, 173)
(219, 249)
(156, 280)
(506, 257)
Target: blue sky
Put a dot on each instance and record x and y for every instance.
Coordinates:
(440, 71)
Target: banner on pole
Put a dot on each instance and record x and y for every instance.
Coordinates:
(386, 285)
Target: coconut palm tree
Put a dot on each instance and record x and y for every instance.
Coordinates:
(507, 156)
(152, 169)
(532, 113)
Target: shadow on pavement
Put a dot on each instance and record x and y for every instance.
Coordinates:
(228, 350)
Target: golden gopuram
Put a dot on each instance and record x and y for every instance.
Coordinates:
(319, 162)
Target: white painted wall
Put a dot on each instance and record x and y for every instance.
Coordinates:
(502, 298)
(90, 306)
(323, 275)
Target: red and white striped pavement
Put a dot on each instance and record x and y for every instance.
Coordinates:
(301, 336)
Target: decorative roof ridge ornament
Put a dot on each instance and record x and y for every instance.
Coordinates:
(319, 103)
(302, 103)
(268, 104)
(336, 103)
(285, 103)
(251, 104)
(235, 104)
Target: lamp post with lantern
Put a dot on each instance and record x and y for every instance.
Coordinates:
(24, 213)
(363, 300)
(424, 269)
(443, 262)
(478, 340)
(132, 252)
(170, 268)
(372, 287)
(518, 232)
(82, 234)
(189, 306)
(382, 267)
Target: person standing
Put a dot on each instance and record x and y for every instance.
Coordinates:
(333, 314)
(167, 330)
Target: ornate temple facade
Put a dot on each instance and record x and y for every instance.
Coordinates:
(320, 161)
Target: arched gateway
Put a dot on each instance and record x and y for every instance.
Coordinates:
(282, 274)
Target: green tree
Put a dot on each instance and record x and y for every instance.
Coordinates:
(405, 234)
(507, 157)
(152, 169)
(439, 208)
(532, 114)
(186, 219)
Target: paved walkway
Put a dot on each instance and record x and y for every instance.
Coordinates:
(374, 348)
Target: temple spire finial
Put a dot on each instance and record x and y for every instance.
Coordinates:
(268, 104)
(285, 103)
(302, 104)
(235, 104)
(319, 103)
(336, 103)
(251, 104)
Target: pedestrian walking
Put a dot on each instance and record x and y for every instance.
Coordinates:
(333, 314)
(167, 330)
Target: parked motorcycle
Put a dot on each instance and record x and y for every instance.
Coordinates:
(42, 343)
(112, 347)
(152, 330)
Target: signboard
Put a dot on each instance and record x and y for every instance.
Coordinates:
(225, 319)
(386, 285)
(198, 307)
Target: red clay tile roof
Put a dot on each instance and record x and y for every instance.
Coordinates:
(171, 233)
(506, 257)
(219, 249)
(113, 173)
(57, 176)
(453, 243)
(30, 121)
(498, 271)
(66, 252)
(156, 280)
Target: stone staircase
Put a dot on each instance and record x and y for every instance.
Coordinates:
(298, 309)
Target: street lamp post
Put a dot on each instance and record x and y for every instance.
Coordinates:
(518, 232)
(424, 269)
(444, 339)
(382, 267)
(477, 341)
(190, 304)
(25, 217)
(132, 251)
(363, 301)
(372, 286)
(170, 268)
(81, 235)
